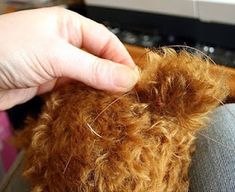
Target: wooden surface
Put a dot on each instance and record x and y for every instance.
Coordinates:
(138, 52)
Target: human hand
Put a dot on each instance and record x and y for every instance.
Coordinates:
(38, 48)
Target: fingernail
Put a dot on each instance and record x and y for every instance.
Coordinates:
(124, 78)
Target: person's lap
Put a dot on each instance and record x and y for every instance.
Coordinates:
(213, 164)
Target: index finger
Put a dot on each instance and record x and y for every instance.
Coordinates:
(98, 40)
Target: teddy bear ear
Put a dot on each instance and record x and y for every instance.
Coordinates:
(179, 84)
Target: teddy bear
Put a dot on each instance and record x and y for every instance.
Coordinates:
(89, 140)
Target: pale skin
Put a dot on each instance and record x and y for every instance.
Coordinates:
(41, 48)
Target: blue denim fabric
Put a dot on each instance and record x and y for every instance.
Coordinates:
(213, 164)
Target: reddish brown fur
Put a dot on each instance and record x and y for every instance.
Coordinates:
(147, 135)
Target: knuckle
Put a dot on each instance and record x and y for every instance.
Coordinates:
(58, 9)
(101, 71)
(95, 71)
(102, 26)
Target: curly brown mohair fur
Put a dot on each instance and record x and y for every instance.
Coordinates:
(89, 140)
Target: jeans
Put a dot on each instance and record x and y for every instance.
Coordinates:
(213, 164)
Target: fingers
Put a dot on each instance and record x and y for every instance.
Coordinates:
(91, 70)
(97, 40)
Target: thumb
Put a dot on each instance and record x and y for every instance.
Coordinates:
(77, 64)
(12, 97)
